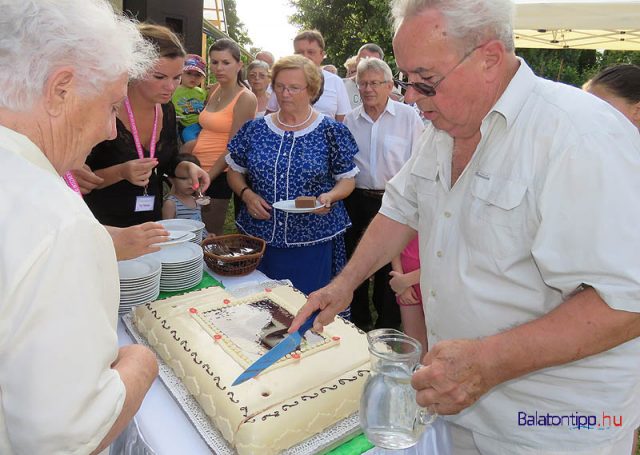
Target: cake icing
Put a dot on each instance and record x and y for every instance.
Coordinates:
(209, 338)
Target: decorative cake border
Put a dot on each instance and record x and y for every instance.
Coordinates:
(326, 440)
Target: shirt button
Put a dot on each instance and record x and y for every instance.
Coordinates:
(279, 223)
(447, 214)
(439, 254)
(433, 293)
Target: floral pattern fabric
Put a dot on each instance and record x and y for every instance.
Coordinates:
(282, 165)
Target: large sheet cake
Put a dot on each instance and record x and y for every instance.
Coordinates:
(209, 337)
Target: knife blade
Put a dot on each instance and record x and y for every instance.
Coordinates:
(290, 343)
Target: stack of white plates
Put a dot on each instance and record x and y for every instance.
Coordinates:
(178, 224)
(182, 266)
(139, 281)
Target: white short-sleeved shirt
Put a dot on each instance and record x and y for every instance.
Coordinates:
(385, 145)
(59, 296)
(549, 201)
(352, 92)
(334, 100)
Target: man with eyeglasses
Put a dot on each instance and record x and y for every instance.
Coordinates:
(385, 131)
(524, 193)
(369, 50)
(333, 100)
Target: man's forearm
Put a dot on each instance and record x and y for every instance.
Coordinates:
(382, 241)
(582, 326)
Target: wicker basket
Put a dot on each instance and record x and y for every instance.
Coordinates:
(217, 250)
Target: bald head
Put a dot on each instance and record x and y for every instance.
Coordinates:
(266, 57)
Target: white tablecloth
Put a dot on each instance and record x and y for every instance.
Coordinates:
(162, 423)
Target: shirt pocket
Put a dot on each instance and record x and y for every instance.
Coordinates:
(396, 153)
(497, 220)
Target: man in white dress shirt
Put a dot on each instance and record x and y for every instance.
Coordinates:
(333, 102)
(65, 387)
(385, 131)
(525, 195)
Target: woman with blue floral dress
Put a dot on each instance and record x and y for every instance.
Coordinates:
(290, 153)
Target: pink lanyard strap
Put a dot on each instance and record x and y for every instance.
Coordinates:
(134, 131)
(71, 182)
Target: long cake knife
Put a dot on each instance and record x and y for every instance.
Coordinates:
(290, 343)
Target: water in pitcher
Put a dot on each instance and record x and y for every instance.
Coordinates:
(391, 416)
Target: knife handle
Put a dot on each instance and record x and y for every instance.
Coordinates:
(308, 324)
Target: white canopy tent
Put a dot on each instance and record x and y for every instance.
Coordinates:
(572, 24)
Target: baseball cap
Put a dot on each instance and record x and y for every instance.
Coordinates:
(194, 62)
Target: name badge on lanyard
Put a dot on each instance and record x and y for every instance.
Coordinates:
(146, 202)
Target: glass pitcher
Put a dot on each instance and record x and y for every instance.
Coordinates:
(389, 413)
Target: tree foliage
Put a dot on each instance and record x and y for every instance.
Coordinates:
(235, 28)
(348, 24)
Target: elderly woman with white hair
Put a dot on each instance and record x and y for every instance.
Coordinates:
(66, 387)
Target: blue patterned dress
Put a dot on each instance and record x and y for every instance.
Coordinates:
(282, 165)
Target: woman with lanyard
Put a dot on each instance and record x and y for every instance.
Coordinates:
(129, 167)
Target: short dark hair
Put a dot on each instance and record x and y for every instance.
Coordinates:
(372, 47)
(311, 36)
(179, 158)
(622, 80)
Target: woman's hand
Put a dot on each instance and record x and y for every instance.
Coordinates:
(87, 180)
(325, 199)
(138, 172)
(199, 176)
(257, 207)
(134, 241)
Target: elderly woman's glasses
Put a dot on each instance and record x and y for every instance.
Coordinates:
(430, 89)
(293, 90)
(257, 76)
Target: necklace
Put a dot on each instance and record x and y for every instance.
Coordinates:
(299, 124)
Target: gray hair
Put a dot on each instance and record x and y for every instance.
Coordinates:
(374, 64)
(41, 36)
(372, 47)
(258, 64)
(470, 21)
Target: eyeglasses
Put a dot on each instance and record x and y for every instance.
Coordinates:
(373, 84)
(257, 76)
(294, 90)
(430, 89)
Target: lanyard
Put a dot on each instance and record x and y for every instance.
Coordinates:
(134, 131)
(71, 182)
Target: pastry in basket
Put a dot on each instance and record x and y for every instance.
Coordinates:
(234, 254)
(209, 337)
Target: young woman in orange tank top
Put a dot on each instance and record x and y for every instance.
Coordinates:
(230, 105)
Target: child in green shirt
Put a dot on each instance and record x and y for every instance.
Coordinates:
(189, 100)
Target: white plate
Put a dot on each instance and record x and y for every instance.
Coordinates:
(290, 206)
(179, 224)
(139, 268)
(184, 252)
(176, 237)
